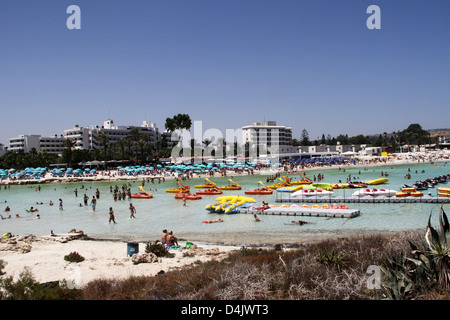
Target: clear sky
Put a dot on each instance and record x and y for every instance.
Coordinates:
(309, 64)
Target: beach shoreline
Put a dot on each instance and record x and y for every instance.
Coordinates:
(364, 162)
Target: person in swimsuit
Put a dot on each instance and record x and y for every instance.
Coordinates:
(94, 203)
(164, 237)
(132, 211)
(111, 215)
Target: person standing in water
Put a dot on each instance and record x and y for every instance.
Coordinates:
(132, 211)
(61, 205)
(94, 203)
(111, 215)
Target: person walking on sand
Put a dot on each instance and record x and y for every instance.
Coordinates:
(111, 215)
(132, 211)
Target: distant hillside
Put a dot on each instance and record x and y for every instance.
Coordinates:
(440, 132)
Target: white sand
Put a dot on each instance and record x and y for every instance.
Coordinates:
(103, 259)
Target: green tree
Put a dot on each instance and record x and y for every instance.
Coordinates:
(304, 138)
(179, 121)
(104, 141)
(69, 144)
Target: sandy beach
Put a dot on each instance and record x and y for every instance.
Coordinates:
(44, 257)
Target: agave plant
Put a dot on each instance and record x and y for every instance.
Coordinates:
(429, 266)
(434, 259)
(399, 284)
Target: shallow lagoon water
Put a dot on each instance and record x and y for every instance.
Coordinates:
(164, 211)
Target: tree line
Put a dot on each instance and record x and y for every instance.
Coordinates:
(137, 147)
(412, 135)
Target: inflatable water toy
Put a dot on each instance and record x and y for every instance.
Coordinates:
(377, 181)
(142, 195)
(375, 192)
(298, 182)
(318, 192)
(183, 189)
(323, 186)
(444, 190)
(340, 185)
(230, 204)
(443, 194)
(190, 196)
(406, 192)
(212, 221)
(211, 191)
(233, 186)
(208, 185)
(357, 184)
(290, 188)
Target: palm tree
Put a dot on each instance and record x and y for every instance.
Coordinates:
(104, 140)
(69, 144)
(121, 144)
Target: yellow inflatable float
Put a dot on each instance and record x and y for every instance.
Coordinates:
(230, 204)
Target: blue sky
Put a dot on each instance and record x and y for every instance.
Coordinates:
(311, 65)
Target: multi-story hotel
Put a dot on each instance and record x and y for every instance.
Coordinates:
(268, 136)
(86, 138)
(28, 142)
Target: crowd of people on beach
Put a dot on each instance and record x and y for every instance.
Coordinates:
(158, 173)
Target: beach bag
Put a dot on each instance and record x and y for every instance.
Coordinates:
(188, 245)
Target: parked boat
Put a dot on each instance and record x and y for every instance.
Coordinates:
(142, 195)
(183, 189)
(208, 185)
(259, 191)
(233, 186)
(212, 191)
(190, 196)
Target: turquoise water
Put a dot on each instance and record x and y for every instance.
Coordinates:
(163, 211)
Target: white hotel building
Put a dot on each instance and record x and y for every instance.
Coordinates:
(86, 138)
(28, 142)
(268, 136)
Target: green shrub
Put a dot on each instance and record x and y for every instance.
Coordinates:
(158, 249)
(74, 257)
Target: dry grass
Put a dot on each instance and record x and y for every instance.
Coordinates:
(331, 269)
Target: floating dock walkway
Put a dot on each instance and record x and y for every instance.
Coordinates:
(305, 212)
(366, 199)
